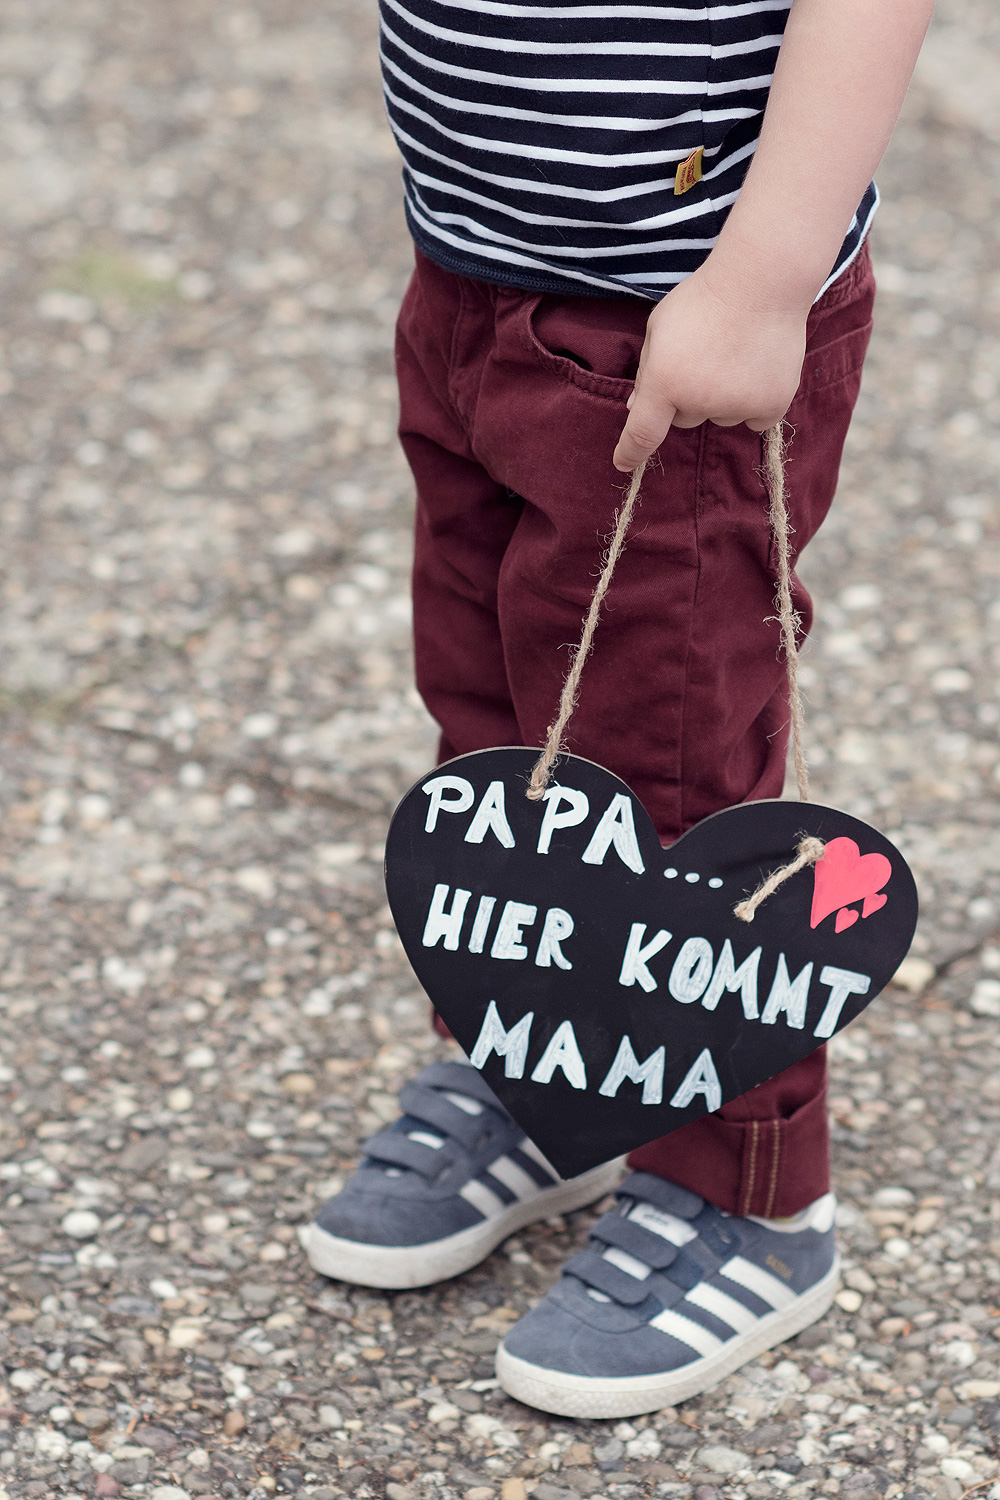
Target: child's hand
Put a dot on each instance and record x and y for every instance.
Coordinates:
(712, 353)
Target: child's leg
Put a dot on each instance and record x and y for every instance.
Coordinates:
(684, 694)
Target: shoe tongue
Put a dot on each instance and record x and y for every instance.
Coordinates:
(667, 1226)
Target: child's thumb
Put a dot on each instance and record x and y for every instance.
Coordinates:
(647, 425)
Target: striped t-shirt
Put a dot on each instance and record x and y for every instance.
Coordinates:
(541, 143)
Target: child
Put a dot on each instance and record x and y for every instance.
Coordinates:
(566, 165)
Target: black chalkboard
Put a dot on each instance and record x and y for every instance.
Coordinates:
(602, 983)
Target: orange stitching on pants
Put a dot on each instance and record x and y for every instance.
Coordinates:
(772, 1187)
(752, 1172)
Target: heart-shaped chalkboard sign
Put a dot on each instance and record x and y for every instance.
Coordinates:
(603, 984)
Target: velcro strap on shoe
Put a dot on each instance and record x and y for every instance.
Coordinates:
(661, 1194)
(716, 1232)
(685, 1271)
(652, 1249)
(460, 1078)
(393, 1149)
(595, 1271)
(435, 1109)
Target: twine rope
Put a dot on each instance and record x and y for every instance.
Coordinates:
(809, 849)
(542, 770)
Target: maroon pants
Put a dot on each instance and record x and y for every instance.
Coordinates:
(511, 404)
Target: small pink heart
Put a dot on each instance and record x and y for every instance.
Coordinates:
(873, 903)
(846, 917)
(842, 875)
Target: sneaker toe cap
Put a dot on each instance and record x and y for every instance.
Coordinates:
(380, 1219)
(551, 1338)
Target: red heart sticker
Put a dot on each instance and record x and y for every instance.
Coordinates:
(844, 875)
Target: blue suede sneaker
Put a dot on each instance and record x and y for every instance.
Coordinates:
(439, 1190)
(671, 1296)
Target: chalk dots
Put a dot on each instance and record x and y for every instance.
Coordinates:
(692, 877)
(715, 882)
(670, 874)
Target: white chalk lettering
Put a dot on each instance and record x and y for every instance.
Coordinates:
(788, 995)
(436, 789)
(701, 1078)
(511, 1045)
(691, 971)
(728, 977)
(444, 924)
(627, 1065)
(481, 923)
(558, 926)
(617, 826)
(842, 982)
(507, 943)
(491, 814)
(562, 1052)
(579, 807)
(634, 963)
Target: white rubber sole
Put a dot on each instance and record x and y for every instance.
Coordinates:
(400, 1267)
(589, 1396)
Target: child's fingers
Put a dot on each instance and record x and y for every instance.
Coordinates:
(644, 431)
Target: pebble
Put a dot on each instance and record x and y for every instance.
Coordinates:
(81, 1224)
(722, 1460)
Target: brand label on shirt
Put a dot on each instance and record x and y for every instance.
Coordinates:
(689, 172)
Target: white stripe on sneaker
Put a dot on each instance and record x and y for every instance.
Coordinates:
(722, 1306)
(697, 1338)
(530, 1149)
(760, 1282)
(464, 1103)
(627, 1263)
(514, 1177)
(425, 1138)
(480, 1196)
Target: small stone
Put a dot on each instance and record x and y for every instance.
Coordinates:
(157, 1438)
(914, 974)
(848, 1299)
(979, 1390)
(985, 1000)
(104, 1485)
(329, 1416)
(722, 1460)
(167, 1492)
(233, 1423)
(958, 1468)
(185, 1333)
(273, 1251)
(396, 1491)
(298, 1083)
(180, 1100)
(143, 1154)
(199, 1058)
(477, 1492)
(81, 1224)
(443, 1411)
(94, 1418)
(513, 1489)
(257, 1294)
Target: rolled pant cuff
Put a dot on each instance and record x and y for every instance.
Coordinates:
(773, 1167)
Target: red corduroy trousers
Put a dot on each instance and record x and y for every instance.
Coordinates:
(511, 404)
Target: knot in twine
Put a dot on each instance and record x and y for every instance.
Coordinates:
(808, 849)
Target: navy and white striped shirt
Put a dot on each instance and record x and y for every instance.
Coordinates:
(541, 141)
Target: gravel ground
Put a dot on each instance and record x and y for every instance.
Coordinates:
(207, 718)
